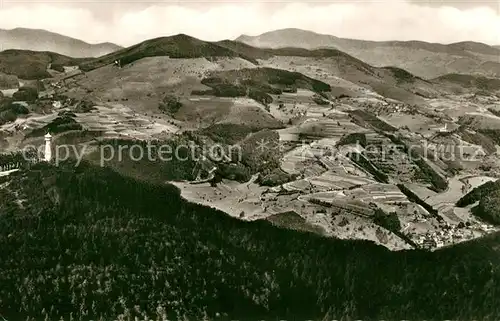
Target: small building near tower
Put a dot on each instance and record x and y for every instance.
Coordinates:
(47, 156)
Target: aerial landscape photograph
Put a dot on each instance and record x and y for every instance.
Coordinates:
(249, 160)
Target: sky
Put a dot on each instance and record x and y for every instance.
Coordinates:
(129, 22)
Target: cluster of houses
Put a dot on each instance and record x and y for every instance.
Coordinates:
(447, 235)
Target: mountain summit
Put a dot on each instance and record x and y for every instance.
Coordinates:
(43, 40)
(424, 59)
(291, 37)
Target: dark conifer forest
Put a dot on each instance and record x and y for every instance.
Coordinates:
(85, 243)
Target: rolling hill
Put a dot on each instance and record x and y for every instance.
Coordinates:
(195, 58)
(43, 40)
(469, 81)
(26, 64)
(178, 46)
(335, 62)
(427, 60)
(183, 46)
(476, 47)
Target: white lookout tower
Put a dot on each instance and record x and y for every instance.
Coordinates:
(48, 147)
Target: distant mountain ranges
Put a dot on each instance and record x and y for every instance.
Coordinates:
(427, 60)
(293, 37)
(34, 52)
(42, 40)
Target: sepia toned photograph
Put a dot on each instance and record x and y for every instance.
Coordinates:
(241, 160)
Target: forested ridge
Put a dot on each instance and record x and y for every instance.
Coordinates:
(85, 243)
(488, 198)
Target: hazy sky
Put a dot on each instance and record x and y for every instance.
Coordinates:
(129, 22)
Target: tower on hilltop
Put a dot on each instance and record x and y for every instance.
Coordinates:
(48, 147)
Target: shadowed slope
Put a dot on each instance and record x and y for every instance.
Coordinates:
(28, 64)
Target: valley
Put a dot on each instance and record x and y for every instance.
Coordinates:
(349, 136)
(293, 167)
